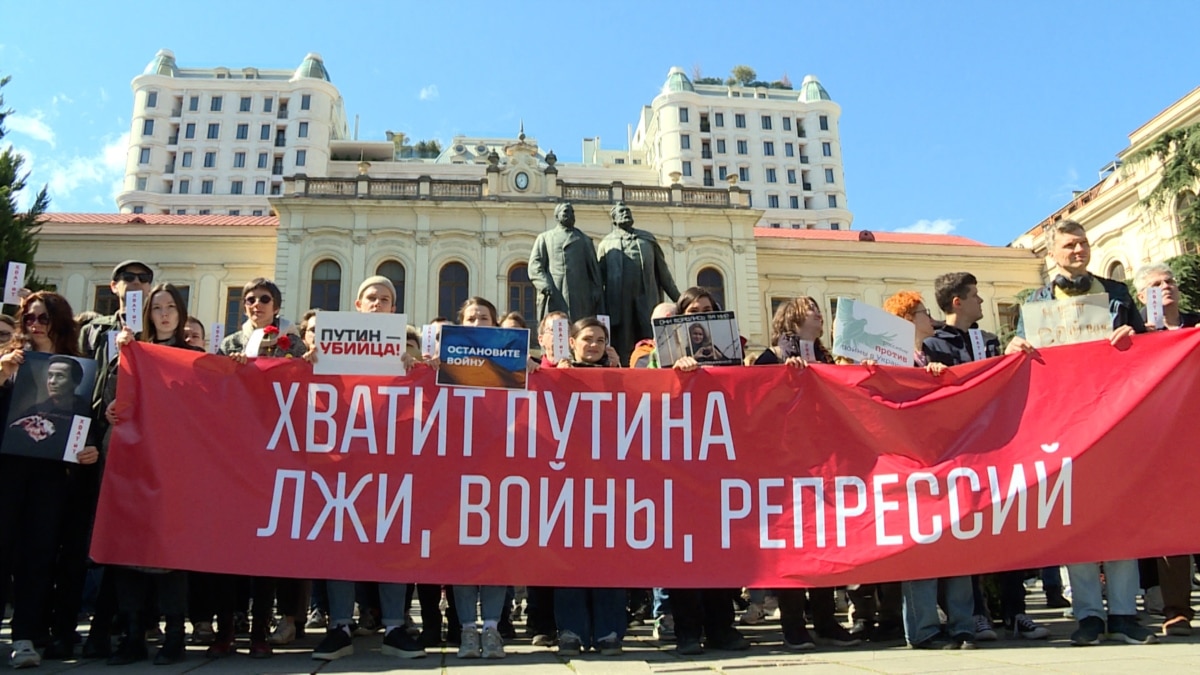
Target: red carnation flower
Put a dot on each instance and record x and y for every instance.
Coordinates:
(284, 342)
(270, 330)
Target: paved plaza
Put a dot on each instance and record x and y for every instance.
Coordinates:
(645, 655)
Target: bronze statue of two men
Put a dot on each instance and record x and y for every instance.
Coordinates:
(625, 278)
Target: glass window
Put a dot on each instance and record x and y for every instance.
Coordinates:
(215, 104)
(773, 201)
(214, 130)
(206, 187)
(301, 156)
(766, 122)
(233, 309)
(148, 128)
(452, 289)
(184, 186)
(833, 201)
(141, 183)
(823, 120)
(194, 103)
(144, 156)
(187, 159)
(794, 202)
(719, 119)
(791, 175)
(393, 271)
(683, 115)
(522, 296)
(787, 124)
(264, 132)
(828, 175)
(262, 160)
(210, 160)
(268, 103)
(235, 187)
(788, 149)
(106, 302)
(257, 212)
(305, 101)
(239, 160)
(721, 146)
(260, 187)
(244, 104)
(739, 120)
(771, 175)
(711, 280)
(743, 148)
(744, 173)
(722, 173)
(303, 130)
(685, 142)
(827, 149)
(326, 289)
(835, 226)
(769, 148)
(687, 168)
(190, 130)
(243, 132)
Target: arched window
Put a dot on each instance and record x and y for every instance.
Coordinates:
(326, 291)
(522, 296)
(394, 272)
(710, 279)
(452, 289)
(1116, 271)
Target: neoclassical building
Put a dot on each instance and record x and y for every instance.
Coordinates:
(1124, 235)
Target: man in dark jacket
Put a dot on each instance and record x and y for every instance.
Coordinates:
(1071, 252)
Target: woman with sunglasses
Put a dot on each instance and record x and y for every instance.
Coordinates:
(35, 494)
(164, 323)
(261, 300)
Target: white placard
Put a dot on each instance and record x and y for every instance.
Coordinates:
(862, 332)
(113, 351)
(603, 318)
(808, 350)
(1068, 321)
(1154, 308)
(429, 340)
(133, 311)
(254, 343)
(218, 334)
(14, 281)
(978, 345)
(560, 346)
(77, 440)
(359, 343)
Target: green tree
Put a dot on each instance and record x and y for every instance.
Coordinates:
(743, 75)
(1178, 150)
(1186, 269)
(18, 229)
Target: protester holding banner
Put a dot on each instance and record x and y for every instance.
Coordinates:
(1160, 276)
(376, 295)
(1071, 252)
(589, 617)
(796, 330)
(164, 324)
(35, 493)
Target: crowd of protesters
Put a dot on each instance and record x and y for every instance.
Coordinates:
(47, 508)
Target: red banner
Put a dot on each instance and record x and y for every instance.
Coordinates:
(724, 477)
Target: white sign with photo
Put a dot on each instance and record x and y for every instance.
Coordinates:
(711, 338)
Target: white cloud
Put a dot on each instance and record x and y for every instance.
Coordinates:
(103, 95)
(429, 93)
(60, 98)
(33, 126)
(83, 180)
(938, 226)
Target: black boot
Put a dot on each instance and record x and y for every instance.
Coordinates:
(174, 644)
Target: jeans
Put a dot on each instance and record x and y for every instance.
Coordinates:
(607, 615)
(490, 597)
(392, 600)
(1087, 595)
(662, 602)
(920, 608)
(1052, 580)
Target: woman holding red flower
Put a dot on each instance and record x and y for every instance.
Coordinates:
(262, 300)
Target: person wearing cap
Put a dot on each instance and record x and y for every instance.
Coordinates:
(128, 275)
(376, 295)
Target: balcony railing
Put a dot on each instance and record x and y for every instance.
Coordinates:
(706, 154)
(706, 197)
(176, 112)
(804, 159)
(456, 190)
(393, 188)
(170, 168)
(587, 193)
(704, 127)
(281, 142)
(648, 195)
(807, 186)
(282, 114)
(330, 186)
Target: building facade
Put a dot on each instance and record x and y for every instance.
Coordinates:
(1124, 235)
(219, 141)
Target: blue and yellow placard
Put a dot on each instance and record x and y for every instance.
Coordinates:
(491, 358)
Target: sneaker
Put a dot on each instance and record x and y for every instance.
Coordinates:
(609, 645)
(317, 619)
(469, 645)
(983, 629)
(771, 607)
(798, 639)
(285, 634)
(203, 633)
(493, 644)
(1178, 626)
(542, 640)
(1127, 629)
(24, 655)
(754, 614)
(1023, 626)
(1089, 633)
(398, 642)
(862, 629)
(664, 628)
(835, 634)
(336, 644)
(961, 641)
(569, 644)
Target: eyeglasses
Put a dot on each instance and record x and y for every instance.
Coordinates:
(31, 319)
(260, 299)
(130, 277)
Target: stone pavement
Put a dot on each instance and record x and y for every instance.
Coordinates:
(644, 655)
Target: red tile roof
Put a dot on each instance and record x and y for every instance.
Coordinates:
(161, 219)
(852, 235)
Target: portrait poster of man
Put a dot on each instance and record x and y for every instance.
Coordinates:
(711, 338)
(49, 415)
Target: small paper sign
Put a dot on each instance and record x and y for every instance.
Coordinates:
(603, 318)
(1154, 308)
(1068, 321)
(560, 347)
(429, 335)
(359, 343)
(113, 351)
(14, 281)
(808, 350)
(77, 440)
(133, 311)
(489, 358)
(218, 334)
(863, 332)
(711, 338)
(978, 345)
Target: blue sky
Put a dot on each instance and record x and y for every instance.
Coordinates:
(970, 117)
